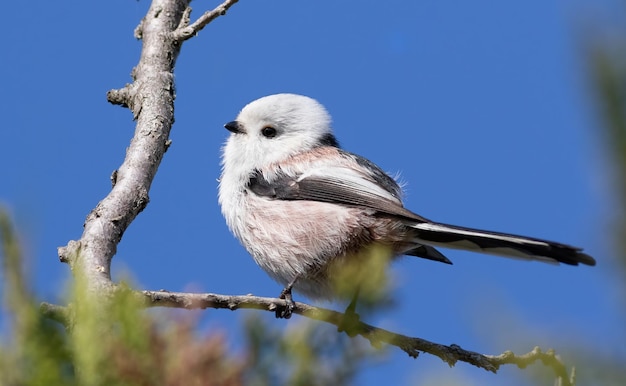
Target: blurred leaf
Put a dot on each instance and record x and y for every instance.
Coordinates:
(113, 341)
(35, 350)
(306, 353)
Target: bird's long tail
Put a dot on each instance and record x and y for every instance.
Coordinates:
(501, 244)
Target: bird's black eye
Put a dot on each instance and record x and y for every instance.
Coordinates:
(268, 132)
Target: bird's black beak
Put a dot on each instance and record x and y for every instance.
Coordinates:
(234, 127)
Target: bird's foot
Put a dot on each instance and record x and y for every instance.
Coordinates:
(284, 311)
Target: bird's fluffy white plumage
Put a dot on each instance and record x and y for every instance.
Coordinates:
(299, 204)
(299, 120)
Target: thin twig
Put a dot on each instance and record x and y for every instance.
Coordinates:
(411, 345)
(548, 358)
(185, 31)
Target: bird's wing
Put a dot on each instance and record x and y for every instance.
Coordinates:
(347, 186)
(337, 184)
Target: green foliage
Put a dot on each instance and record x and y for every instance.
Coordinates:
(366, 273)
(108, 340)
(307, 354)
(35, 351)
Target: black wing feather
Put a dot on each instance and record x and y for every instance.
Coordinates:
(326, 189)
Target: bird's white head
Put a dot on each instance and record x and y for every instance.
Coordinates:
(272, 128)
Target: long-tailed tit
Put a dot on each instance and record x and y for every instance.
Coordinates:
(303, 207)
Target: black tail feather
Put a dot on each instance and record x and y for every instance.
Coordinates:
(501, 244)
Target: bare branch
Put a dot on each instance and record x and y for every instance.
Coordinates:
(187, 31)
(151, 99)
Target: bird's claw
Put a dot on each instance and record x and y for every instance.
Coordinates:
(284, 311)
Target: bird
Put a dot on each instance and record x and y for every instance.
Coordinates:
(305, 208)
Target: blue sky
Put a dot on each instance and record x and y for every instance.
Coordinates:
(482, 108)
